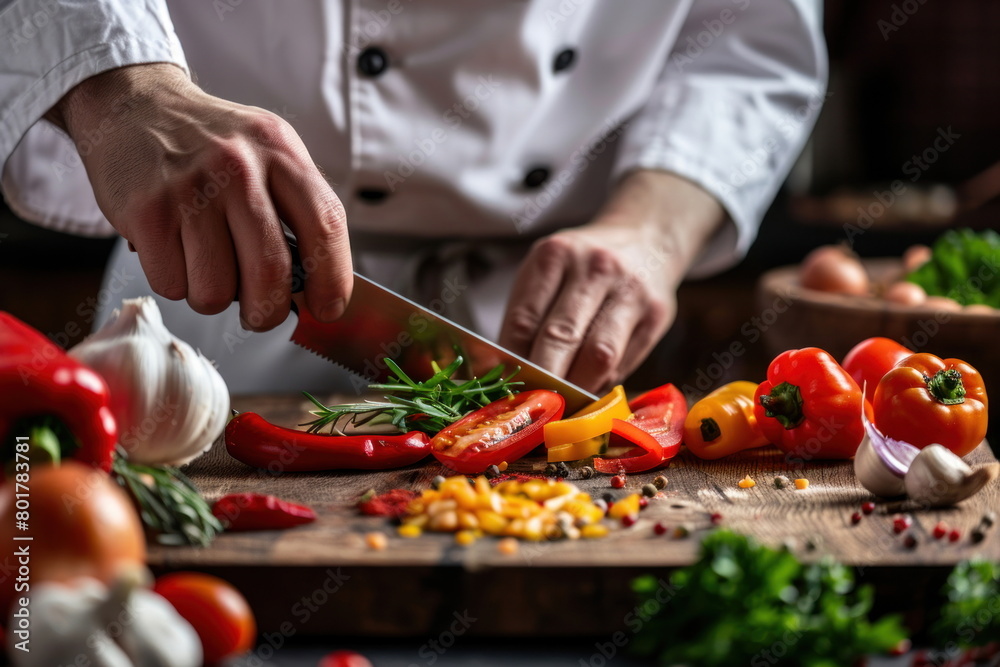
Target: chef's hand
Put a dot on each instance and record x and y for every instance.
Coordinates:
(197, 186)
(589, 303)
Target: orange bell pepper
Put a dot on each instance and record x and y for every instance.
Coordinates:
(723, 422)
(926, 400)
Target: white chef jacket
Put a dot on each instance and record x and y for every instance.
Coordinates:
(435, 121)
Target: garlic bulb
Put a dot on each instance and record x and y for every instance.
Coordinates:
(169, 401)
(938, 477)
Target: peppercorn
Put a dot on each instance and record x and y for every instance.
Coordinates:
(977, 536)
(586, 472)
(659, 529)
(939, 531)
(643, 502)
(868, 507)
(781, 482)
(910, 542)
(608, 497)
(954, 535)
(660, 482)
(810, 544)
(988, 519)
(562, 470)
(628, 520)
(618, 482)
(437, 482)
(680, 532)
(900, 524)
(715, 518)
(551, 470)
(856, 518)
(648, 490)
(492, 472)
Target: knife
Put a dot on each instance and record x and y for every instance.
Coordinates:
(379, 324)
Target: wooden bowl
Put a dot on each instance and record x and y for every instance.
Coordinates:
(797, 317)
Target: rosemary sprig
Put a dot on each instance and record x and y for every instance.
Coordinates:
(169, 503)
(427, 406)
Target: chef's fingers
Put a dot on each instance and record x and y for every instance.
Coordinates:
(264, 258)
(154, 233)
(567, 324)
(210, 259)
(655, 321)
(597, 364)
(310, 208)
(535, 288)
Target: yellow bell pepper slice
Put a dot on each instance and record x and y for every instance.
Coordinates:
(723, 422)
(585, 433)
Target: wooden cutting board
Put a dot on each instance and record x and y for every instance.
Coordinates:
(553, 588)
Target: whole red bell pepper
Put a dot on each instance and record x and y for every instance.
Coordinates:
(256, 511)
(926, 400)
(809, 407)
(869, 361)
(39, 381)
(652, 434)
(253, 440)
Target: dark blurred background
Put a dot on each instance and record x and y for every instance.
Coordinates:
(901, 72)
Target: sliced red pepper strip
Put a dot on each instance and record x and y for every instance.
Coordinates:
(256, 511)
(658, 414)
(38, 379)
(256, 442)
(646, 454)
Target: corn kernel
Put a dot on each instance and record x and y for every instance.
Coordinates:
(801, 483)
(467, 520)
(507, 546)
(491, 522)
(627, 506)
(465, 537)
(443, 521)
(747, 483)
(376, 541)
(409, 530)
(594, 530)
(502, 466)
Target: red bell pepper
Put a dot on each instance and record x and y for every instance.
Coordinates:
(869, 361)
(809, 407)
(927, 400)
(653, 432)
(39, 381)
(256, 511)
(253, 440)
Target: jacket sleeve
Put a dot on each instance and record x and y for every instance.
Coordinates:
(49, 46)
(733, 106)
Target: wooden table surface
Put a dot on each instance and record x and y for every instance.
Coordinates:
(420, 580)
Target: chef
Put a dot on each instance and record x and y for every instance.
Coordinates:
(547, 171)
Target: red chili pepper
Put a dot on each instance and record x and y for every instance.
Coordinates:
(256, 511)
(38, 380)
(653, 432)
(253, 440)
(809, 407)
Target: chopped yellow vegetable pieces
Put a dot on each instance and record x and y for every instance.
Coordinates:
(534, 509)
(747, 483)
(802, 483)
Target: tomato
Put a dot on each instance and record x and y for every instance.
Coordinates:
(344, 659)
(869, 361)
(81, 523)
(218, 612)
(504, 430)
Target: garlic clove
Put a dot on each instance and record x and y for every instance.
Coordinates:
(939, 478)
(873, 474)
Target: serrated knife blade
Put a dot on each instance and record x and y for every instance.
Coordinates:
(380, 324)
